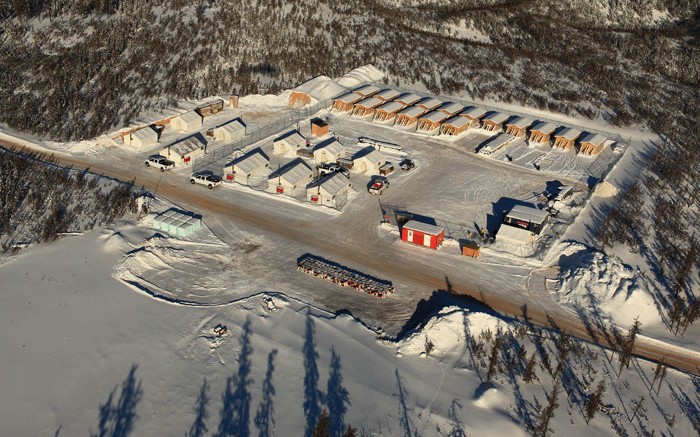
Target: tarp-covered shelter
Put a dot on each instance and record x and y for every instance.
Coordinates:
(387, 112)
(541, 132)
(186, 122)
(185, 150)
(368, 160)
(328, 150)
(345, 102)
(566, 138)
(296, 174)
(366, 90)
(518, 126)
(288, 143)
(329, 190)
(493, 121)
(141, 138)
(408, 99)
(253, 164)
(319, 88)
(387, 94)
(365, 107)
(592, 144)
(409, 116)
(474, 114)
(234, 130)
(455, 125)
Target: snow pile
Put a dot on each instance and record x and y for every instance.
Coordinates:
(320, 88)
(596, 281)
(606, 190)
(360, 75)
(267, 100)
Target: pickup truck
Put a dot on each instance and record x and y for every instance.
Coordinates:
(329, 168)
(161, 162)
(208, 179)
(378, 185)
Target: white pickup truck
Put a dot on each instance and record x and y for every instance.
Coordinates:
(208, 179)
(160, 161)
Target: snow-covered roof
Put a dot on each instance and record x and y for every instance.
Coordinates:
(190, 117)
(569, 133)
(251, 161)
(520, 122)
(544, 127)
(457, 121)
(387, 94)
(332, 145)
(366, 73)
(321, 88)
(451, 108)
(423, 227)
(332, 184)
(412, 111)
(473, 112)
(349, 98)
(292, 138)
(366, 90)
(185, 146)
(408, 99)
(147, 133)
(370, 154)
(435, 116)
(233, 126)
(496, 141)
(293, 172)
(528, 213)
(514, 235)
(593, 138)
(390, 107)
(369, 102)
(174, 217)
(496, 117)
(429, 103)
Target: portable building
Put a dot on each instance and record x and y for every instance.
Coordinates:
(295, 175)
(386, 113)
(366, 90)
(592, 144)
(471, 249)
(422, 234)
(495, 143)
(234, 130)
(210, 108)
(329, 190)
(429, 103)
(474, 114)
(319, 88)
(253, 164)
(515, 240)
(365, 107)
(455, 125)
(432, 121)
(185, 150)
(408, 99)
(328, 150)
(288, 143)
(518, 126)
(387, 95)
(368, 160)
(566, 139)
(409, 116)
(527, 217)
(177, 222)
(187, 122)
(141, 138)
(318, 127)
(493, 121)
(541, 132)
(345, 102)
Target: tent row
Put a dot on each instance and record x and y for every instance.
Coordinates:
(567, 138)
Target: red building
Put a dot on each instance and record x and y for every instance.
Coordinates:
(422, 234)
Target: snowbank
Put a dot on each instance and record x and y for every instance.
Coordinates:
(360, 75)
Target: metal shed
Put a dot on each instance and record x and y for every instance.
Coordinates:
(422, 234)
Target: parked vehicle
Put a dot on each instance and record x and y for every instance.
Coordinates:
(329, 168)
(407, 164)
(208, 179)
(378, 184)
(160, 161)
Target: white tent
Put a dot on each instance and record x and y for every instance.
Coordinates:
(253, 163)
(185, 150)
(515, 240)
(296, 174)
(319, 88)
(186, 122)
(232, 131)
(288, 143)
(368, 160)
(141, 138)
(328, 150)
(328, 190)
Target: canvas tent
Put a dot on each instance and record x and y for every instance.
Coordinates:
(329, 191)
(527, 217)
(253, 164)
(409, 116)
(185, 150)
(515, 240)
(368, 160)
(366, 90)
(592, 144)
(387, 95)
(365, 107)
(429, 104)
(408, 99)
(518, 126)
(232, 131)
(345, 102)
(295, 175)
(455, 125)
(328, 150)
(474, 114)
(186, 122)
(387, 112)
(319, 88)
(494, 121)
(541, 132)
(566, 139)
(288, 143)
(141, 138)
(431, 121)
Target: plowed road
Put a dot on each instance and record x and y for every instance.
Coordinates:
(275, 221)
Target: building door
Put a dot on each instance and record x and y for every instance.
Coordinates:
(426, 240)
(409, 235)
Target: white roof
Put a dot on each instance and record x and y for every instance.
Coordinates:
(514, 235)
(544, 127)
(292, 138)
(569, 133)
(366, 90)
(435, 116)
(233, 126)
(332, 145)
(496, 142)
(332, 184)
(391, 107)
(190, 116)
(423, 227)
(451, 108)
(366, 73)
(387, 94)
(496, 117)
(520, 122)
(474, 112)
(193, 142)
(349, 98)
(528, 213)
(146, 133)
(321, 88)
(593, 138)
(408, 98)
(371, 154)
(251, 161)
(429, 103)
(412, 111)
(295, 172)
(457, 121)
(176, 217)
(370, 102)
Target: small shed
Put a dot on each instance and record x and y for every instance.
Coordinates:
(252, 164)
(422, 234)
(494, 121)
(387, 95)
(471, 249)
(495, 143)
(408, 99)
(185, 150)
(429, 104)
(210, 108)
(234, 130)
(345, 102)
(455, 125)
(527, 217)
(566, 139)
(387, 112)
(474, 114)
(518, 126)
(318, 127)
(409, 116)
(515, 240)
(177, 222)
(365, 107)
(186, 122)
(141, 138)
(288, 143)
(592, 144)
(295, 175)
(319, 88)
(368, 160)
(541, 132)
(328, 190)
(328, 150)
(366, 90)
(432, 121)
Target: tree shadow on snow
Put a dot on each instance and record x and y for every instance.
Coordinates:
(312, 395)
(199, 426)
(337, 397)
(265, 416)
(235, 411)
(116, 417)
(404, 418)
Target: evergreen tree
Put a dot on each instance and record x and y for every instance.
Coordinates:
(529, 374)
(350, 432)
(593, 402)
(493, 360)
(323, 428)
